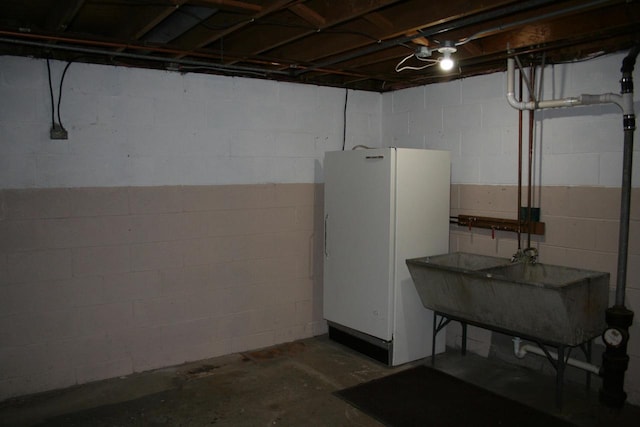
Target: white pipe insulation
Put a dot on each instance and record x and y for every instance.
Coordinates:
(623, 101)
(521, 351)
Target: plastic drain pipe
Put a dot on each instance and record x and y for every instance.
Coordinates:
(624, 102)
(521, 351)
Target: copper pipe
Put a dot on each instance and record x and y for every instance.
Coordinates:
(121, 45)
(98, 43)
(283, 70)
(142, 56)
(520, 165)
(500, 224)
(532, 76)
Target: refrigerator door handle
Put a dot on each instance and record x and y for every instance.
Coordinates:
(326, 219)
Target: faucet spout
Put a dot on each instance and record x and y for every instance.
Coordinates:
(528, 255)
(531, 255)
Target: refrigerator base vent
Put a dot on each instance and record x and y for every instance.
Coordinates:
(380, 351)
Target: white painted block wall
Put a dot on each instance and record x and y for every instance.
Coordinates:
(471, 118)
(133, 127)
(138, 127)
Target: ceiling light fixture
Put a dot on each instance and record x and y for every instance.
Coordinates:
(446, 49)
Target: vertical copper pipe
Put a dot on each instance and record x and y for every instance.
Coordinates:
(532, 77)
(520, 165)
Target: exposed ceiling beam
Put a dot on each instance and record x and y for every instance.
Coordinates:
(104, 49)
(398, 20)
(379, 20)
(434, 30)
(585, 25)
(161, 16)
(61, 14)
(309, 15)
(211, 37)
(555, 31)
(355, 34)
(178, 23)
(250, 43)
(232, 4)
(354, 44)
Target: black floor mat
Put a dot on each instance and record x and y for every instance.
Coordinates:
(423, 396)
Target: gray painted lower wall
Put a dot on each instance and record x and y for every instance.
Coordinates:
(102, 282)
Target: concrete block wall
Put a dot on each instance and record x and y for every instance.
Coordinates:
(96, 225)
(106, 281)
(581, 231)
(179, 221)
(133, 127)
(577, 171)
(471, 118)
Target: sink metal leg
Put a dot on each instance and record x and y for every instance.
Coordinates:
(438, 325)
(434, 332)
(559, 364)
(464, 338)
(587, 354)
(560, 376)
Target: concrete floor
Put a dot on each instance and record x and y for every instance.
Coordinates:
(290, 385)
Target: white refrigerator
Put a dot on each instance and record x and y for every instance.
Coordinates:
(382, 206)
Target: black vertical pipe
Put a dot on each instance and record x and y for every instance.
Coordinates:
(615, 359)
(625, 208)
(629, 125)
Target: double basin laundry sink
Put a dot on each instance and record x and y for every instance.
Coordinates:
(554, 304)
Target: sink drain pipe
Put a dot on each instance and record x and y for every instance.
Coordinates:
(615, 359)
(520, 350)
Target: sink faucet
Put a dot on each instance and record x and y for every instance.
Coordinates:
(529, 255)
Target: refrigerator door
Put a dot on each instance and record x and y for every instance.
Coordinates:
(359, 217)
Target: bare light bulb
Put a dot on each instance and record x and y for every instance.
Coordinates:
(446, 63)
(446, 49)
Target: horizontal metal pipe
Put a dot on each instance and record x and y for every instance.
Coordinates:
(100, 43)
(194, 63)
(167, 60)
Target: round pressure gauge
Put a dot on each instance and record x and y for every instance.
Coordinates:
(612, 337)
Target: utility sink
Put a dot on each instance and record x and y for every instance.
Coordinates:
(460, 261)
(550, 303)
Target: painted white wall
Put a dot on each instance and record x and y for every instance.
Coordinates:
(144, 127)
(471, 118)
(134, 127)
